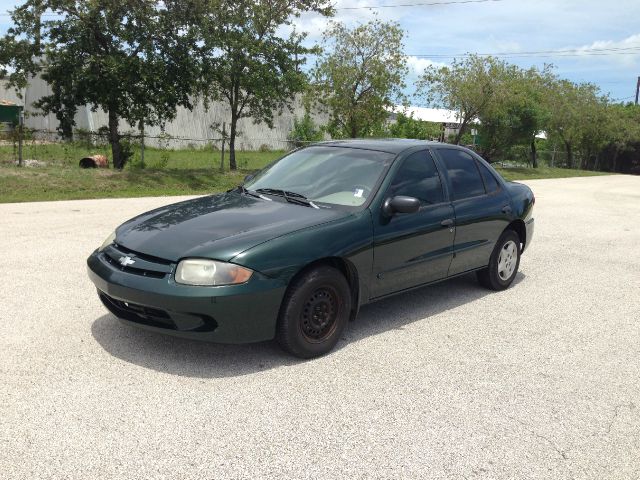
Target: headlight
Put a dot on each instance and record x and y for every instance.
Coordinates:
(110, 239)
(198, 271)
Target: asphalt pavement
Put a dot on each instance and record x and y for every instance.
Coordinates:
(449, 381)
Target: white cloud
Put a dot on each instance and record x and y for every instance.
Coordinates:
(633, 41)
(625, 52)
(419, 64)
(349, 12)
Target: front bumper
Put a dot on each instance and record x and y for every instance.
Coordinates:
(225, 314)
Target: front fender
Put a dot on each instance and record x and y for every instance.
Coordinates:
(349, 238)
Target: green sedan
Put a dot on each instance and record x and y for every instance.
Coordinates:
(295, 251)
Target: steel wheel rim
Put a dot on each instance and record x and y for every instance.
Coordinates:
(507, 260)
(319, 314)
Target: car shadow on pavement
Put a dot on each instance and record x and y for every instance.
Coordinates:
(189, 358)
(399, 310)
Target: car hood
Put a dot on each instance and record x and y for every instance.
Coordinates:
(218, 226)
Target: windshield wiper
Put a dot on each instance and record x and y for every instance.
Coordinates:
(251, 193)
(291, 197)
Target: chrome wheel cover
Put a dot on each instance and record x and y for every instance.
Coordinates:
(507, 260)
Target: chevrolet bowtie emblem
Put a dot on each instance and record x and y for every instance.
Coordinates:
(124, 261)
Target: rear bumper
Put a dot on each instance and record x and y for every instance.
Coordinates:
(529, 226)
(225, 314)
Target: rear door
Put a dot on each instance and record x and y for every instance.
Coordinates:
(481, 205)
(414, 248)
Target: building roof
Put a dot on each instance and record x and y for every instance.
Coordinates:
(435, 115)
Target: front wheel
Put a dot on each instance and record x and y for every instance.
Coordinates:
(314, 312)
(503, 264)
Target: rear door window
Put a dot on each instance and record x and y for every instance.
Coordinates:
(463, 172)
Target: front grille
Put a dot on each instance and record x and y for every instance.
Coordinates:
(136, 263)
(143, 256)
(135, 271)
(156, 317)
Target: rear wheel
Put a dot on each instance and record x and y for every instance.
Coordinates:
(503, 264)
(314, 312)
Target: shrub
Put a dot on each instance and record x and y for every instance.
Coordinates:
(408, 127)
(304, 131)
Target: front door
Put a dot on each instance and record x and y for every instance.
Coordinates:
(413, 248)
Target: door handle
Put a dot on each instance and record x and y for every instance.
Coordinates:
(506, 209)
(447, 223)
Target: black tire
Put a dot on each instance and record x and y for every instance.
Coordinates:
(490, 277)
(314, 312)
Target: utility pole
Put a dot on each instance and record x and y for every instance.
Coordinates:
(637, 90)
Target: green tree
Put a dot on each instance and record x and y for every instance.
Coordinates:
(406, 126)
(305, 130)
(247, 62)
(469, 86)
(129, 58)
(573, 108)
(359, 76)
(624, 129)
(517, 112)
(597, 131)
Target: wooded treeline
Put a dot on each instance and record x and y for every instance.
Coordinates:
(141, 60)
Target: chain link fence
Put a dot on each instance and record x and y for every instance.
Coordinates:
(521, 156)
(43, 148)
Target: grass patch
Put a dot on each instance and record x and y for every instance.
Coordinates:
(63, 180)
(525, 173)
(69, 154)
(187, 172)
(40, 184)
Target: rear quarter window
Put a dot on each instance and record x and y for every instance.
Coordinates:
(490, 182)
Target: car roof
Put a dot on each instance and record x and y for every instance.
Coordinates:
(389, 145)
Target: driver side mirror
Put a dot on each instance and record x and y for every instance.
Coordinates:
(400, 204)
(248, 177)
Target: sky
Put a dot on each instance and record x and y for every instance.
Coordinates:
(586, 40)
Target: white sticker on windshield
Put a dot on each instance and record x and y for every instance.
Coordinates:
(358, 193)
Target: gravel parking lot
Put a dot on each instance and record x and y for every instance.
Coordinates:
(450, 381)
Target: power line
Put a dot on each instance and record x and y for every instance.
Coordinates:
(367, 7)
(621, 99)
(545, 53)
(47, 15)
(573, 50)
(420, 4)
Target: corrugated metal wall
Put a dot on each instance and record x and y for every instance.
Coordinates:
(192, 128)
(36, 90)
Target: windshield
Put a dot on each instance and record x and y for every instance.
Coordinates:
(330, 175)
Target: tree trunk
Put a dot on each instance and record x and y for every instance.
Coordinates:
(65, 126)
(584, 164)
(352, 126)
(569, 150)
(232, 141)
(463, 128)
(534, 153)
(114, 139)
(596, 162)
